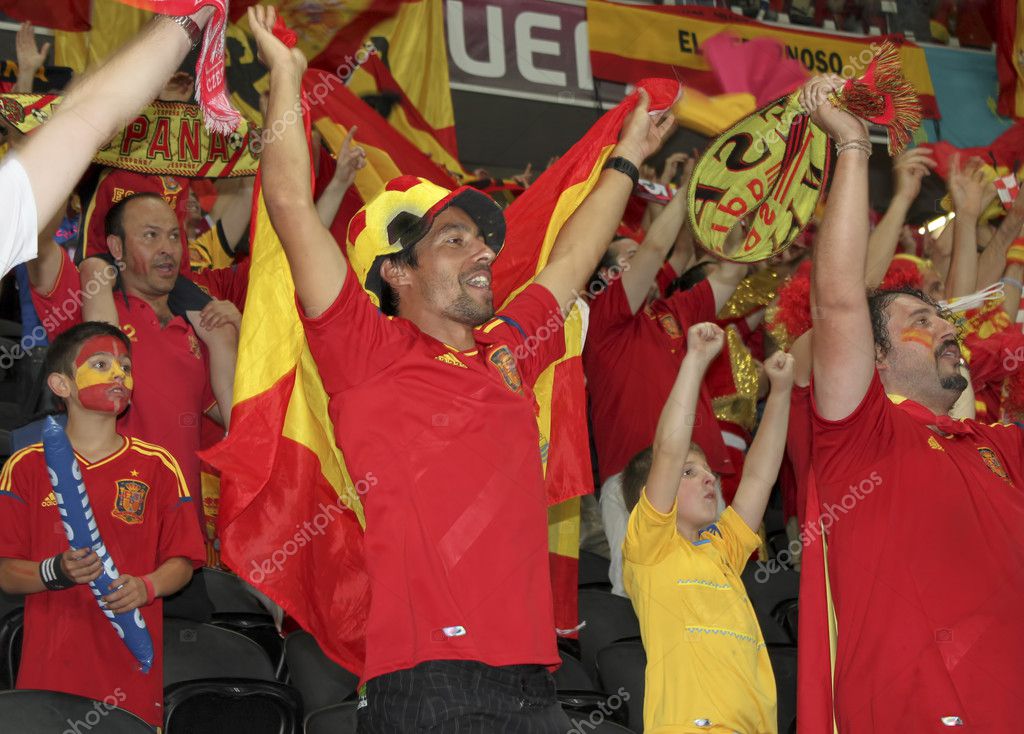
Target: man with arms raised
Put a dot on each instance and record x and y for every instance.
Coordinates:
(435, 398)
(926, 568)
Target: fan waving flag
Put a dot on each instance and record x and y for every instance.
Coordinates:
(534, 221)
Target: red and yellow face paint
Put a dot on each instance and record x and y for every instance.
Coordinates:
(97, 369)
(918, 336)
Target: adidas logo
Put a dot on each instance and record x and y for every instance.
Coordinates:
(50, 501)
(933, 443)
(449, 358)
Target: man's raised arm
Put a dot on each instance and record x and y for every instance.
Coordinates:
(97, 106)
(584, 238)
(843, 345)
(317, 265)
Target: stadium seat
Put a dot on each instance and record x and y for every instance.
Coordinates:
(593, 571)
(337, 719)
(767, 590)
(621, 667)
(230, 594)
(11, 629)
(571, 675)
(587, 725)
(194, 651)
(787, 614)
(50, 712)
(259, 628)
(783, 659)
(232, 706)
(321, 681)
(608, 618)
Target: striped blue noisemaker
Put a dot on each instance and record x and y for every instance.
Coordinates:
(82, 532)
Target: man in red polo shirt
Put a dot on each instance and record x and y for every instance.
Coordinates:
(173, 363)
(636, 341)
(433, 393)
(926, 544)
(143, 510)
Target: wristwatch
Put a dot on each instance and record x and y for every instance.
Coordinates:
(191, 28)
(620, 164)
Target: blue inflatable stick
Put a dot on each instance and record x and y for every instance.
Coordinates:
(80, 527)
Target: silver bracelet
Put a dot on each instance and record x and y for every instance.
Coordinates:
(190, 27)
(1012, 281)
(859, 144)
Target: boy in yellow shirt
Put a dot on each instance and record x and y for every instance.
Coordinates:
(707, 665)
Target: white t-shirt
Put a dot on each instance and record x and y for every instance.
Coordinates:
(19, 229)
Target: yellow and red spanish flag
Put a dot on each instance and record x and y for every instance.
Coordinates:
(534, 221)
(290, 520)
(409, 67)
(334, 110)
(629, 42)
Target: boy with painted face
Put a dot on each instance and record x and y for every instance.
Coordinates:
(142, 506)
(708, 668)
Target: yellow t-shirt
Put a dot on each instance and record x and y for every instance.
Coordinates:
(209, 251)
(707, 664)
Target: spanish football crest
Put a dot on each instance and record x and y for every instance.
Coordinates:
(502, 359)
(193, 345)
(991, 460)
(130, 503)
(669, 324)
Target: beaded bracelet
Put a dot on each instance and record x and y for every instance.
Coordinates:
(859, 144)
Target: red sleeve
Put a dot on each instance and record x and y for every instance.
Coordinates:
(180, 536)
(61, 308)
(353, 340)
(692, 306)
(225, 284)
(15, 512)
(846, 447)
(533, 328)
(665, 277)
(994, 358)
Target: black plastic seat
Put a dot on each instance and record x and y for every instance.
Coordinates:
(49, 712)
(621, 667)
(608, 618)
(320, 680)
(337, 719)
(196, 651)
(232, 706)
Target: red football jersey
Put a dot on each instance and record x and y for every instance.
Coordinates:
(926, 565)
(144, 513)
(631, 362)
(170, 364)
(456, 537)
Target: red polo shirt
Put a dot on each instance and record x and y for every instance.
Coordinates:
(69, 645)
(926, 562)
(456, 525)
(170, 364)
(631, 362)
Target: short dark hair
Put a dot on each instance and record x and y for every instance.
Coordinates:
(388, 295)
(113, 223)
(634, 477)
(60, 357)
(878, 307)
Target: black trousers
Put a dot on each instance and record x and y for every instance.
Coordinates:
(462, 697)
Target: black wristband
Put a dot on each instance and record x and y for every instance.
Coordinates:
(620, 164)
(53, 575)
